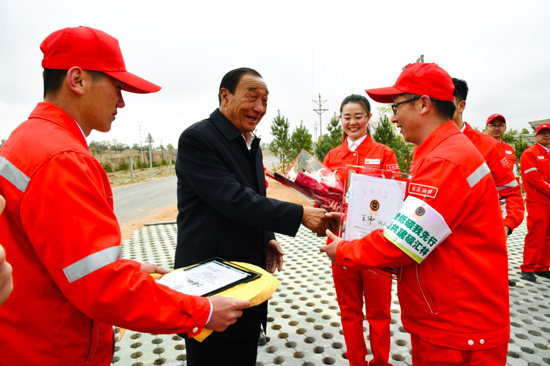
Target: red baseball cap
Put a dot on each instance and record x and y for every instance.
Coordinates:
(543, 127)
(94, 50)
(419, 78)
(495, 116)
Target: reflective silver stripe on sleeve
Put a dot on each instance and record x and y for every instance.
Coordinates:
(478, 174)
(530, 170)
(512, 184)
(503, 208)
(13, 175)
(92, 263)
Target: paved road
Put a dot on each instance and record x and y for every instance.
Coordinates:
(139, 201)
(136, 202)
(269, 161)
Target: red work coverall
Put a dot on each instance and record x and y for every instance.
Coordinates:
(63, 240)
(535, 171)
(509, 190)
(511, 156)
(352, 285)
(448, 237)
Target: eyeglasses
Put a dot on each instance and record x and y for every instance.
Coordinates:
(490, 125)
(394, 106)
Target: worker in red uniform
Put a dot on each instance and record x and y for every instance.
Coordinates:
(496, 127)
(59, 229)
(535, 172)
(447, 236)
(351, 286)
(509, 190)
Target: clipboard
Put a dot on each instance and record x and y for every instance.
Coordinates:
(208, 277)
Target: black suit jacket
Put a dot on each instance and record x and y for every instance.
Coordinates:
(222, 206)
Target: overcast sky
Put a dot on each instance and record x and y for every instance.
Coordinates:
(302, 48)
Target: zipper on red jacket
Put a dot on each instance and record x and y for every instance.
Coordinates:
(95, 336)
(421, 290)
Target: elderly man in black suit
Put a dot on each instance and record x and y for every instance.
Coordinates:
(224, 211)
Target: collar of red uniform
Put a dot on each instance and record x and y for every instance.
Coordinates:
(438, 136)
(468, 127)
(541, 148)
(362, 149)
(53, 113)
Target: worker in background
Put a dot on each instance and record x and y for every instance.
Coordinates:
(509, 190)
(535, 172)
(496, 127)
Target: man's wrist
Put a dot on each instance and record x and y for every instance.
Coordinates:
(211, 311)
(508, 230)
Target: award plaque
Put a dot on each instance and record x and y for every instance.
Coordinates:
(373, 203)
(374, 196)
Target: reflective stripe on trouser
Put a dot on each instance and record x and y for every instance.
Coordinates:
(429, 354)
(536, 250)
(351, 288)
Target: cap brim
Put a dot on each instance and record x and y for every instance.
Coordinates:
(496, 116)
(133, 83)
(383, 95)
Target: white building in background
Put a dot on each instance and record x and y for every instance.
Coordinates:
(529, 138)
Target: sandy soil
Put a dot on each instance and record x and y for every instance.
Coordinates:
(275, 190)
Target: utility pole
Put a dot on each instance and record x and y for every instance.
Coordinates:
(149, 141)
(140, 144)
(315, 131)
(420, 59)
(320, 111)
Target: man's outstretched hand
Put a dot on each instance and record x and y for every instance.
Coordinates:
(330, 249)
(225, 312)
(152, 268)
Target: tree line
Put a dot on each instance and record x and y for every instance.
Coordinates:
(123, 163)
(100, 147)
(137, 163)
(286, 145)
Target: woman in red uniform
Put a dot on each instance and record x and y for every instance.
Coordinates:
(358, 148)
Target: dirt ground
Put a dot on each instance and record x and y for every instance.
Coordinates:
(275, 190)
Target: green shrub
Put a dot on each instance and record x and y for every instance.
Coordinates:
(108, 167)
(141, 164)
(122, 165)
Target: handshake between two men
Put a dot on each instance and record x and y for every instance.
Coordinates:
(318, 220)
